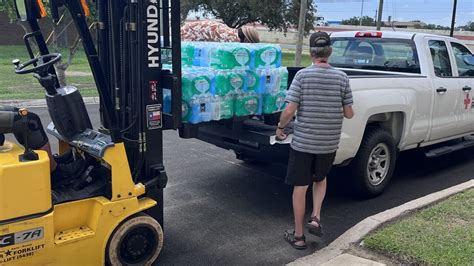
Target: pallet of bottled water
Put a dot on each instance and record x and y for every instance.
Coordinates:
(225, 80)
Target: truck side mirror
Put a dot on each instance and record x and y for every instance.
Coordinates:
(469, 59)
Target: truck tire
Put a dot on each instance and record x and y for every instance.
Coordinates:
(136, 241)
(374, 163)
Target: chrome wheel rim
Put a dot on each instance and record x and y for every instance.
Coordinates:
(378, 164)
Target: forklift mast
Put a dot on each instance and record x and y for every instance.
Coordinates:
(135, 39)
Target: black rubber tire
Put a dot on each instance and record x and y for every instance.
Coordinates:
(141, 226)
(372, 137)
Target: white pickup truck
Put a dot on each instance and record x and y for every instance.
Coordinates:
(410, 90)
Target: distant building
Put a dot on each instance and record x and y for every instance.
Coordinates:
(416, 24)
(334, 22)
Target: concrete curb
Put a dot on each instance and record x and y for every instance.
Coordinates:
(42, 102)
(357, 232)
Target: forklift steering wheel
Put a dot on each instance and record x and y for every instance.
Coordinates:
(42, 64)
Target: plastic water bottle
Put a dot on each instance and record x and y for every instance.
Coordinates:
(222, 83)
(206, 108)
(201, 54)
(194, 116)
(186, 111)
(226, 106)
(228, 81)
(187, 54)
(247, 104)
(252, 81)
(274, 102)
(268, 55)
(202, 82)
(230, 56)
(236, 80)
(268, 81)
(283, 72)
(215, 107)
(187, 90)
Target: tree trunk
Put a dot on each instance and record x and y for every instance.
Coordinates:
(299, 42)
(62, 66)
(61, 73)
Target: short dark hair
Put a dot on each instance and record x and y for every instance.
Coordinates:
(321, 52)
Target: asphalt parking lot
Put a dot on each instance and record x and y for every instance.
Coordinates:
(220, 211)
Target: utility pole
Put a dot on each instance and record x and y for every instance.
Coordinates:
(361, 13)
(301, 23)
(379, 18)
(454, 18)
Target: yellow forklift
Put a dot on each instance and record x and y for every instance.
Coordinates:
(111, 212)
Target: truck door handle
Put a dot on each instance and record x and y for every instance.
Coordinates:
(441, 90)
(466, 89)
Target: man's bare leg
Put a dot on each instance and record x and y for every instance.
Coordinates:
(299, 209)
(319, 192)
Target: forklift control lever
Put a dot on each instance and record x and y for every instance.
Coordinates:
(28, 154)
(41, 64)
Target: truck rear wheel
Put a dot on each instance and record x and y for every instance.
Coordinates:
(137, 241)
(375, 162)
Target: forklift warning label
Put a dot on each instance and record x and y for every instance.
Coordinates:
(153, 116)
(17, 252)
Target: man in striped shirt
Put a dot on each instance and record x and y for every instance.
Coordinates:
(321, 97)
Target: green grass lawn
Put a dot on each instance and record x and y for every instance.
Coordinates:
(14, 86)
(20, 87)
(439, 235)
(288, 59)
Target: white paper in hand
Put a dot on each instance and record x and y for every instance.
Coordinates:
(274, 141)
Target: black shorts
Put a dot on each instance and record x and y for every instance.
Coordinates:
(306, 168)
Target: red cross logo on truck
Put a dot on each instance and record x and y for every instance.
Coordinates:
(467, 101)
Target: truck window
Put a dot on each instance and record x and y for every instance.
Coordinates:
(440, 57)
(459, 51)
(398, 55)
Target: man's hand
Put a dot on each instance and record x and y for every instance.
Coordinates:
(348, 111)
(280, 135)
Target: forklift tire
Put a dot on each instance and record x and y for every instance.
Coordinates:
(136, 241)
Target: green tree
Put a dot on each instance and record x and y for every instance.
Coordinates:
(58, 40)
(275, 14)
(366, 21)
(435, 27)
(470, 26)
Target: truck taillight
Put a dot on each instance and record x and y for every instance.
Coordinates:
(373, 34)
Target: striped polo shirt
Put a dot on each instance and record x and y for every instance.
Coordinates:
(320, 92)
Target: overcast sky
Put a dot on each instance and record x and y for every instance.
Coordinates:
(428, 11)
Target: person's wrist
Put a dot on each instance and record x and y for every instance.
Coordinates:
(280, 127)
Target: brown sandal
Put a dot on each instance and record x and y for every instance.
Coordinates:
(292, 239)
(313, 229)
